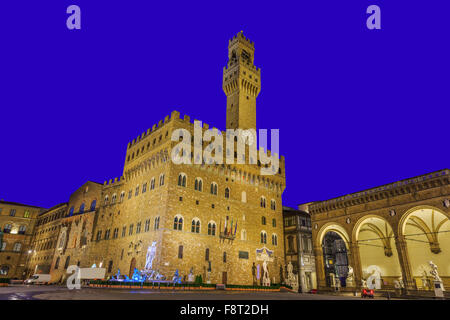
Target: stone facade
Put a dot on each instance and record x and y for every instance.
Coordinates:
(298, 247)
(217, 230)
(17, 223)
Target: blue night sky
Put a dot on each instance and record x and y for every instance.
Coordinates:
(356, 108)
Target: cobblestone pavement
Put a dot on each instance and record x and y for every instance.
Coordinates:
(62, 293)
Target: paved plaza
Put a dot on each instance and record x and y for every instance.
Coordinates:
(22, 292)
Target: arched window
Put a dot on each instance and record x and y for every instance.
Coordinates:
(93, 205)
(57, 263)
(156, 227)
(3, 246)
(122, 195)
(182, 180)
(71, 211)
(152, 184)
(113, 198)
(244, 196)
(212, 228)
(7, 228)
(144, 187)
(227, 193)
(214, 188)
(198, 185)
(106, 200)
(273, 204)
(263, 202)
(195, 227)
(67, 262)
(136, 192)
(22, 229)
(263, 237)
(161, 180)
(243, 234)
(263, 220)
(178, 223)
(274, 239)
(82, 208)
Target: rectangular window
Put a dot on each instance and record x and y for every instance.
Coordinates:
(138, 228)
(124, 231)
(26, 214)
(130, 230)
(180, 252)
(243, 255)
(224, 257)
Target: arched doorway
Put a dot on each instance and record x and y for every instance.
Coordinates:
(335, 259)
(426, 231)
(132, 266)
(380, 264)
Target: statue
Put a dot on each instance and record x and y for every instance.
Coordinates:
(434, 272)
(191, 275)
(151, 250)
(363, 283)
(350, 276)
(425, 281)
(254, 274)
(292, 279)
(176, 277)
(266, 279)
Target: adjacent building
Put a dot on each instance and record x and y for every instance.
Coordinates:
(299, 247)
(385, 236)
(17, 223)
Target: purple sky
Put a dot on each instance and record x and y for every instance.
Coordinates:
(356, 108)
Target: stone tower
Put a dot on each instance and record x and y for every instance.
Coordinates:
(241, 83)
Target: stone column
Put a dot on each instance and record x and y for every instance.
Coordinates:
(320, 271)
(354, 259)
(405, 265)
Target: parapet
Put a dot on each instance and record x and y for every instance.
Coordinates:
(241, 38)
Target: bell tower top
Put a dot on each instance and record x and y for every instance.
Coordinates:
(241, 83)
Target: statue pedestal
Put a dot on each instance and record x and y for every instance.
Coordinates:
(439, 289)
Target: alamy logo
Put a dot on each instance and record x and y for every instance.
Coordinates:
(74, 280)
(245, 142)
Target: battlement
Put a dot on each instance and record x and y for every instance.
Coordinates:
(112, 182)
(240, 38)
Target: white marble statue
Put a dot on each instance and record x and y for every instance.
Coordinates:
(292, 279)
(363, 283)
(434, 272)
(266, 279)
(151, 251)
